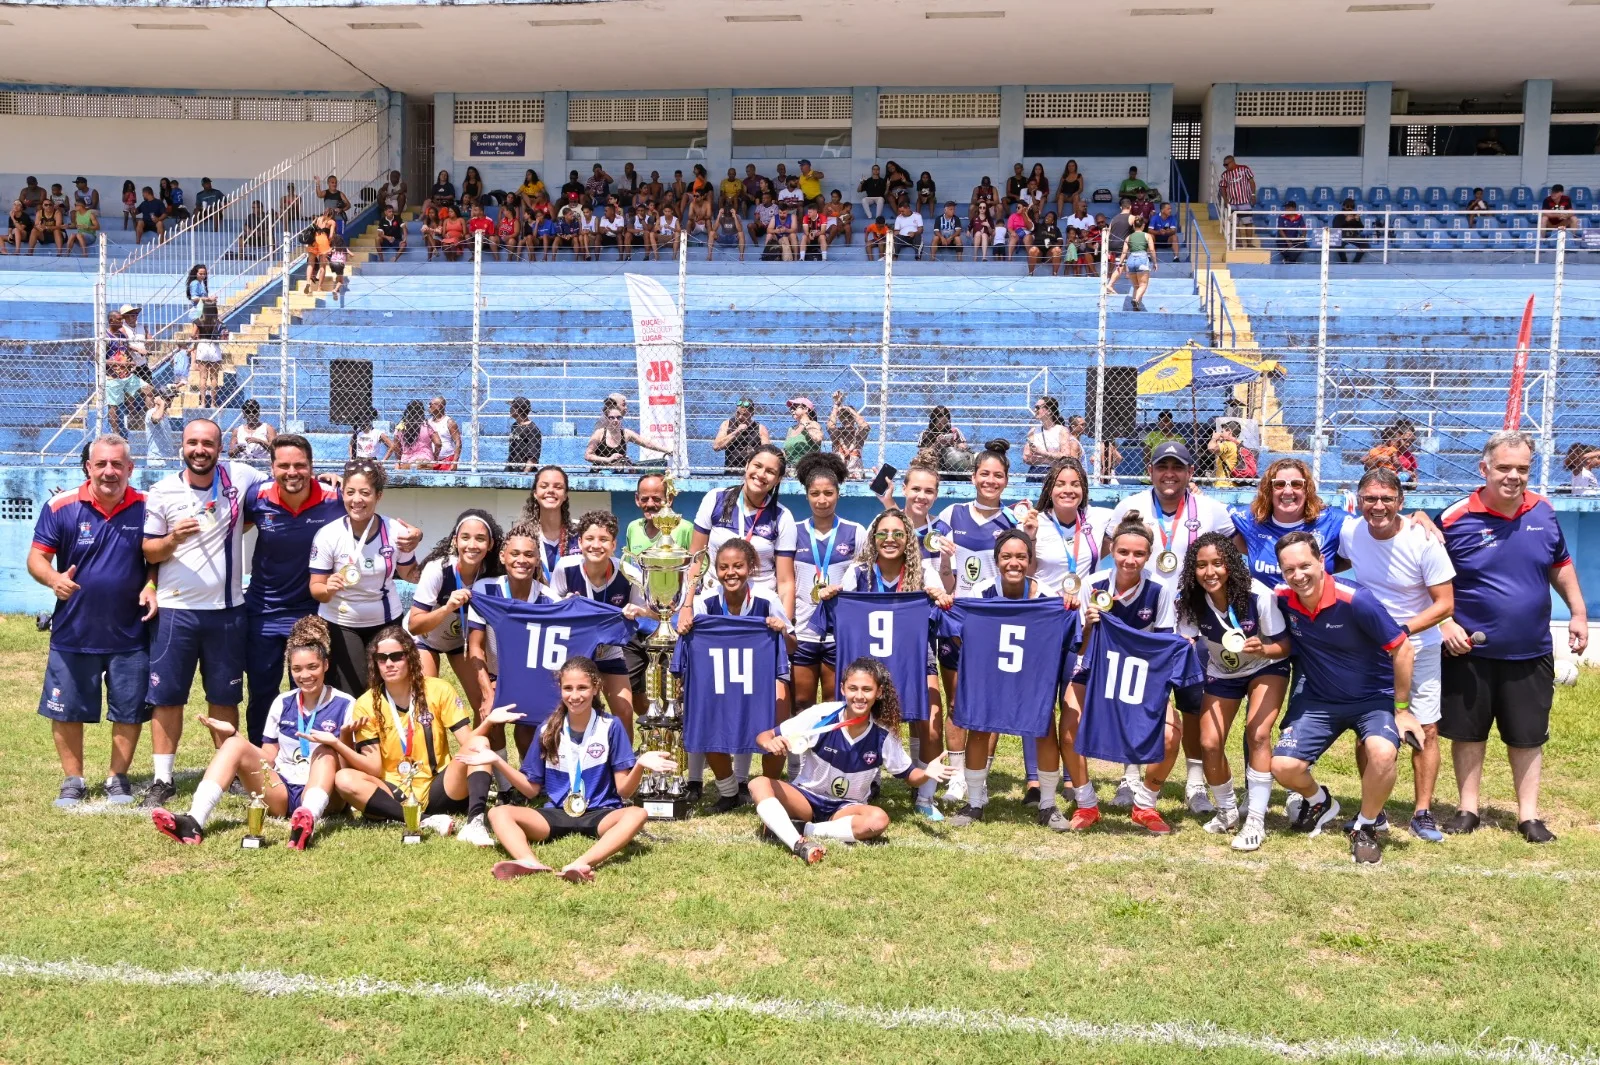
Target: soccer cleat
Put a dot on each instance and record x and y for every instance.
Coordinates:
(476, 833)
(1149, 818)
(1199, 802)
(1051, 818)
(1251, 836)
(71, 793)
(179, 827)
(1124, 796)
(512, 797)
(1031, 796)
(1084, 818)
(1225, 821)
(695, 790)
(301, 827)
(1364, 846)
(808, 850)
(1534, 831)
(1291, 806)
(965, 816)
(158, 794)
(1380, 825)
(118, 791)
(931, 812)
(438, 824)
(727, 803)
(1464, 823)
(1425, 828)
(1313, 815)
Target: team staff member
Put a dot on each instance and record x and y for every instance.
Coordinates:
(1508, 552)
(650, 496)
(1179, 516)
(88, 550)
(194, 534)
(1286, 501)
(1410, 573)
(1350, 661)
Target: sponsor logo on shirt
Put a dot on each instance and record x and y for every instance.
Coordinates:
(840, 787)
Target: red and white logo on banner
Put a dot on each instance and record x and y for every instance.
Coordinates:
(658, 345)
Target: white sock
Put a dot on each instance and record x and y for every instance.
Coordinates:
(741, 767)
(1362, 820)
(791, 765)
(727, 786)
(1222, 795)
(163, 766)
(914, 748)
(1049, 784)
(925, 791)
(697, 767)
(1131, 774)
(842, 829)
(958, 759)
(1197, 775)
(315, 800)
(1143, 795)
(1084, 796)
(205, 800)
(776, 818)
(977, 787)
(1258, 791)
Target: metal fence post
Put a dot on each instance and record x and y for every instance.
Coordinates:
(883, 351)
(1388, 220)
(477, 323)
(1547, 444)
(100, 325)
(283, 329)
(1102, 476)
(681, 444)
(1320, 442)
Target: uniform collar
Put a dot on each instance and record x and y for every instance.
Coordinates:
(1330, 595)
(1476, 505)
(130, 496)
(317, 495)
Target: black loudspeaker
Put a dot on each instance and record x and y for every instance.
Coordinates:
(349, 391)
(1122, 400)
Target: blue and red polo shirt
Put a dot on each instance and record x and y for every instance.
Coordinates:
(103, 616)
(280, 575)
(1503, 566)
(1341, 646)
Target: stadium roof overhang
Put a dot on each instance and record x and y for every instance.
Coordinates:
(1446, 46)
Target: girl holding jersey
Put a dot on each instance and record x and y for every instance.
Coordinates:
(750, 511)
(521, 557)
(596, 573)
(438, 618)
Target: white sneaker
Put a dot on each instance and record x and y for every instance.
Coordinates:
(956, 791)
(1251, 836)
(476, 833)
(1199, 802)
(1291, 806)
(1225, 821)
(439, 824)
(1123, 799)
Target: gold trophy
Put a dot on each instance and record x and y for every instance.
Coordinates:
(663, 578)
(255, 815)
(409, 806)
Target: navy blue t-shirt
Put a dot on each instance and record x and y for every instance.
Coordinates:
(730, 668)
(280, 577)
(1012, 654)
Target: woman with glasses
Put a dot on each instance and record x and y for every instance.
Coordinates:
(1049, 442)
(354, 565)
(608, 444)
(1286, 501)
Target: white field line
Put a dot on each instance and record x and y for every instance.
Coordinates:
(1180, 1034)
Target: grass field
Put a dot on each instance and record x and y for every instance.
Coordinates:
(1002, 943)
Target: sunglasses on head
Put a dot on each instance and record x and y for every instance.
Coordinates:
(391, 657)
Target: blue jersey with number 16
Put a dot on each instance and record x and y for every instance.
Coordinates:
(535, 638)
(1125, 692)
(1012, 654)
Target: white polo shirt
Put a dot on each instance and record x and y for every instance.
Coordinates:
(908, 225)
(1398, 570)
(206, 571)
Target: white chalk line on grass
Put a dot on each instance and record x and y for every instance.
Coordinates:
(1182, 1034)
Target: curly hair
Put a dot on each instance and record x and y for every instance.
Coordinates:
(1192, 599)
(603, 518)
(309, 632)
(531, 510)
(886, 709)
(371, 470)
(375, 686)
(911, 559)
(550, 731)
(445, 548)
(821, 464)
(1057, 468)
(745, 550)
(1261, 505)
(528, 530)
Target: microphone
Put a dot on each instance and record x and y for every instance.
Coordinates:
(1479, 639)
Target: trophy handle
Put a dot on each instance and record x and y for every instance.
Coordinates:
(700, 560)
(631, 559)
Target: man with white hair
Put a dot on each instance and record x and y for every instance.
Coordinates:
(1499, 664)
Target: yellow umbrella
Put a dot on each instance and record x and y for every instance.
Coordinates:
(1192, 367)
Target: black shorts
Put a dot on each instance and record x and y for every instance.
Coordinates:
(1513, 693)
(437, 801)
(564, 824)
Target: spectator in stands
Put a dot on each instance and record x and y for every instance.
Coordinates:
(130, 203)
(608, 444)
(471, 187)
(1070, 188)
(732, 191)
(338, 257)
(175, 199)
(47, 223)
(84, 228)
(197, 286)
(1131, 185)
(152, 217)
(419, 444)
(569, 233)
(335, 204)
(480, 224)
(1050, 441)
(610, 226)
(653, 190)
(447, 432)
(531, 188)
(639, 223)
(452, 235)
(319, 242)
(1119, 227)
(1095, 457)
(588, 234)
(783, 234)
(1476, 208)
(508, 229)
(1019, 229)
(391, 233)
(840, 216)
(121, 385)
(739, 436)
(666, 234)
(849, 432)
(876, 237)
(251, 440)
(677, 192)
(1046, 243)
(761, 218)
(1163, 228)
(943, 444)
(289, 207)
(1138, 261)
(598, 188)
(392, 193)
(1041, 181)
(1489, 143)
(727, 230)
(1165, 429)
(1557, 213)
(432, 227)
(1033, 198)
(526, 442)
(83, 195)
(1394, 451)
(365, 440)
(159, 444)
(256, 235)
(927, 193)
(813, 233)
(1581, 462)
(1352, 233)
(805, 435)
(790, 196)
(32, 195)
(1015, 184)
(908, 231)
(1079, 220)
(1236, 190)
(872, 190)
(698, 220)
(811, 182)
(699, 185)
(1143, 206)
(749, 190)
(1233, 459)
(897, 184)
(981, 229)
(443, 193)
(947, 232)
(984, 194)
(207, 336)
(208, 204)
(1291, 232)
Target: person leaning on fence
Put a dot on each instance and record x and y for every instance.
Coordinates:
(849, 431)
(1237, 191)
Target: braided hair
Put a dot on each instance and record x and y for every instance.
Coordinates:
(1192, 599)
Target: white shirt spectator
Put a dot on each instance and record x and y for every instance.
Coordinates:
(1080, 222)
(1584, 483)
(793, 197)
(206, 571)
(1398, 570)
(908, 225)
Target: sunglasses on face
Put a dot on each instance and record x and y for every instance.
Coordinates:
(894, 536)
(1288, 484)
(391, 657)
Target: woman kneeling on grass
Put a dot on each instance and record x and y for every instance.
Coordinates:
(843, 747)
(585, 768)
(302, 743)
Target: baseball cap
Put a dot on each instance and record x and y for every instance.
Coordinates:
(805, 162)
(1172, 450)
(127, 308)
(80, 180)
(802, 401)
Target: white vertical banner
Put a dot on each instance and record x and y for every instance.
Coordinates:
(658, 345)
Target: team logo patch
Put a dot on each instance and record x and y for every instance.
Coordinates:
(595, 750)
(425, 719)
(974, 568)
(155, 679)
(840, 787)
(1145, 614)
(85, 532)
(871, 758)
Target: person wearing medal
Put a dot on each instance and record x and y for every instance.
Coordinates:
(826, 546)
(521, 558)
(585, 768)
(1178, 515)
(549, 509)
(1239, 620)
(438, 617)
(843, 747)
(1067, 532)
(304, 740)
(596, 573)
(749, 511)
(400, 746)
(354, 565)
(194, 536)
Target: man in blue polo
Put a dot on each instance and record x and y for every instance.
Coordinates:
(88, 550)
(1499, 663)
(1350, 658)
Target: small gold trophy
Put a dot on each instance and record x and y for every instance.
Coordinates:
(255, 815)
(663, 578)
(409, 806)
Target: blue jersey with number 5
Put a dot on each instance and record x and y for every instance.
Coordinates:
(730, 668)
(1125, 691)
(1012, 655)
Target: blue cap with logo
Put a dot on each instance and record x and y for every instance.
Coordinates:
(1172, 450)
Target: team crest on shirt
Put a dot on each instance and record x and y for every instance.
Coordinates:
(1487, 538)
(871, 758)
(85, 532)
(425, 719)
(155, 679)
(840, 787)
(974, 568)
(1145, 613)
(595, 750)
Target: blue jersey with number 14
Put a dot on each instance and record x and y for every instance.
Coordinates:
(1125, 692)
(1012, 654)
(535, 638)
(730, 668)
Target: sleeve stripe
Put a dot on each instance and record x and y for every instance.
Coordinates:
(1564, 562)
(48, 550)
(1399, 639)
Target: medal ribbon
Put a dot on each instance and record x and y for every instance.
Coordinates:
(1077, 535)
(821, 557)
(1169, 535)
(359, 550)
(882, 586)
(303, 724)
(455, 569)
(748, 521)
(405, 737)
(838, 723)
(575, 774)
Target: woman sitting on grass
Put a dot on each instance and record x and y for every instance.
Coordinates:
(843, 748)
(302, 742)
(585, 768)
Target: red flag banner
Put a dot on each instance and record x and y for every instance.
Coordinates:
(1519, 368)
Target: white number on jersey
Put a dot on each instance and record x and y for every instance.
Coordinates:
(740, 669)
(1011, 637)
(553, 651)
(880, 626)
(1134, 672)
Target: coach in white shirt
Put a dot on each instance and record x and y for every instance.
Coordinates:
(1410, 573)
(194, 534)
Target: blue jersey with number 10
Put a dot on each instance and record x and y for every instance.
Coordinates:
(1125, 692)
(534, 639)
(730, 668)
(891, 627)
(1012, 654)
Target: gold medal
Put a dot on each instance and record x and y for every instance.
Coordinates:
(1101, 599)
(405, 770)
(1233, 641)
(1167, 562)
(1071, 583)
(575, 804)
(818, 586)
(351, 574)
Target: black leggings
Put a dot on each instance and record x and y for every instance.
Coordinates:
(347, 657)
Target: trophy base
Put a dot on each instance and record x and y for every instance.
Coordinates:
(409, 838)
(666, 809)
(252, 843)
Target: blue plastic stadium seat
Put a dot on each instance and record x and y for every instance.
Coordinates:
(1581, 196)
(1544, 190)
(1468, 239)
(1435, 196)
(1459, 222)
(1441, 239)
(1296, 193)
(1494, 195)
(1431, 221)
(1267, 196)
(1379, 196)
(1350, 192)
(1322, 194)
(1407, 195)
(1462, 196)
(1522, 196)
